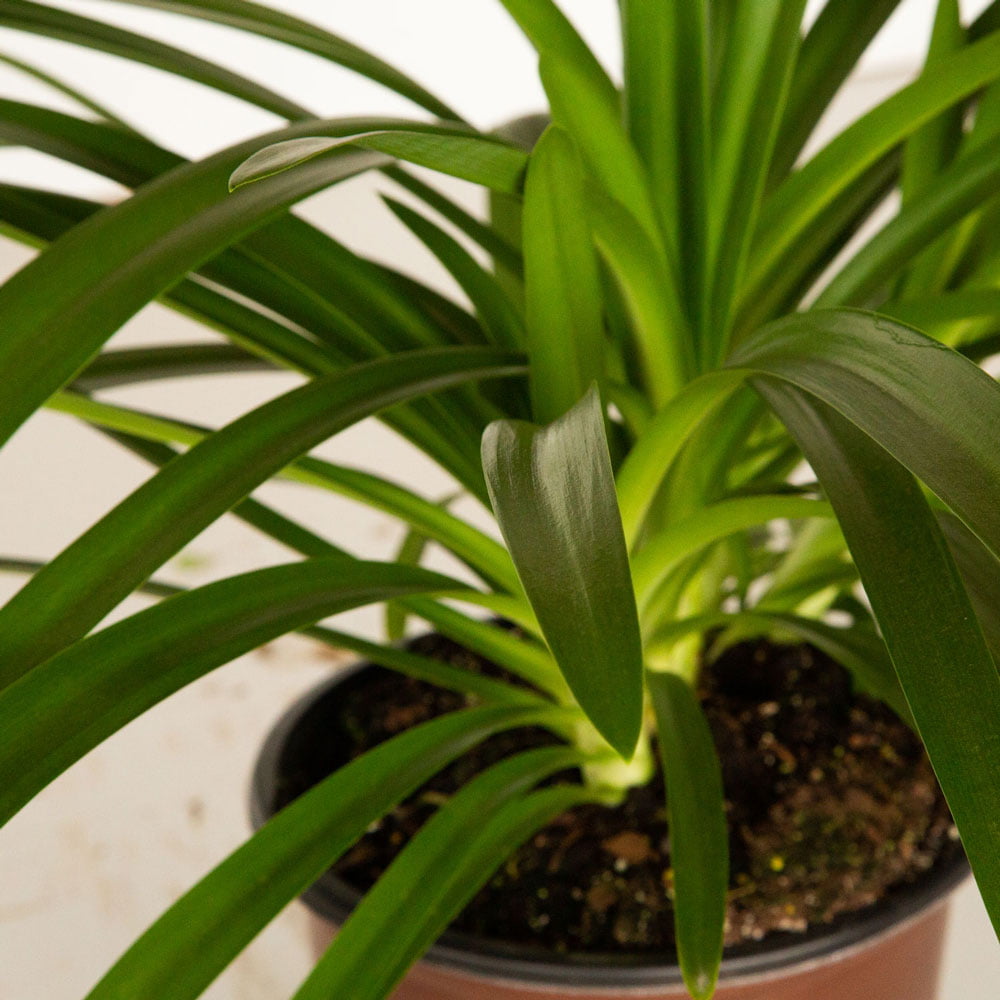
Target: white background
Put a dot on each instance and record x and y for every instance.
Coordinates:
(101, 852)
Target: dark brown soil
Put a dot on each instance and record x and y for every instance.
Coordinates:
(830, 797)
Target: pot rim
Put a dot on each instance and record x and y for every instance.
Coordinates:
(333, 899)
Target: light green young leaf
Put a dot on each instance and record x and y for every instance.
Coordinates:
(563, 298)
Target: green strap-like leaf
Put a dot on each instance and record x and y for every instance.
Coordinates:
(54, 22)
(931, 149)
(801, 198)
(648, 464)
(98, 570)
(932, 409)
(480, 552)
(562, 288)
(498, 315)
(754, 87)
(429, 669)
(282, 27)
(442, 866)
(54, 83)
(647, 284)
(830, 51)
(200, 934)
(453, 151)
(669, 545)
(944, 665)
(980, 570)
(550, 32)
(130, 365)
(522, 655)
(553, 493)
(651, 52)
(490, 239)
(859, 649)
(95, 687)
(409, 553)
(699, 837)
(596, 129)
(62, 306)
(936, 205)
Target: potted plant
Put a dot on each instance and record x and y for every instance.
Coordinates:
(667, 329)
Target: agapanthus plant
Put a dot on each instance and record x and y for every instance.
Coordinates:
(686, 335)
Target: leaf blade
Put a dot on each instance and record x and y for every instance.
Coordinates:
(553, 493)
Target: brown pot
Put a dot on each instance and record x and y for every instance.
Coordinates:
(890, 951)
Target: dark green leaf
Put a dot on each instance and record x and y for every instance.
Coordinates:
(699, 837)
(442, 866)
(95, 687)
(554, 496)
(54, 22)
(929, 407)
(929, 626)
(98, 570)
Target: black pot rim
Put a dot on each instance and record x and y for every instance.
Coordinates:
(333, 899)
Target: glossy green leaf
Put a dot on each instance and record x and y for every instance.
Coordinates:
(53, 22)
(95, 687)
(287, 854)
(443, 865)
(554, 497)
(929, 626)
(98, 570)
(699, 838)
(563, 298)
(452, 151)
(929, 407)
(307, 37)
